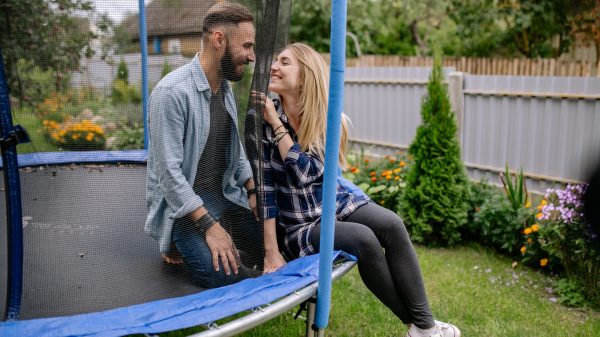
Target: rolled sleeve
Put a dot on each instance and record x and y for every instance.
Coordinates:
(166, 129)
(302, 167)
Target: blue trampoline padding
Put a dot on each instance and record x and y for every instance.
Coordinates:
(67, 157)
(178, 313)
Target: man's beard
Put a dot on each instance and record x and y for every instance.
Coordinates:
(228, 67)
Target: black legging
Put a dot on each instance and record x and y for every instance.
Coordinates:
(394, 276)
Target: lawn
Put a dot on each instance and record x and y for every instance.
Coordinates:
(33, 125)
(472, 287)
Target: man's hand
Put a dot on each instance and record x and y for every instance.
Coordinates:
(173, 256)
(273, 261)
(221, 247)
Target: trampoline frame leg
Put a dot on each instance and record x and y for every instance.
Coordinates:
(311, 309)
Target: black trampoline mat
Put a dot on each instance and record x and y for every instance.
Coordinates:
(85, 246)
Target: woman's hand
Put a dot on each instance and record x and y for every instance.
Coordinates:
(268, 108)
(273, 261)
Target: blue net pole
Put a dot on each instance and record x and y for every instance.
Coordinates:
(332, 146)
(144, 51)
(13, 203)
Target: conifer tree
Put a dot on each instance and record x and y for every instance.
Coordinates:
(434, 203)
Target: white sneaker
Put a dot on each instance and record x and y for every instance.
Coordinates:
(440, 329)
(447, 329)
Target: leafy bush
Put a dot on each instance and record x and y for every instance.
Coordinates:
(382, 179)
(128, 138)
(500, 225)
(434, 204)
(123, 72)
(74, 134)
(123, 93)
(165, 69)
(479, 193)
(37, 84)
(566, 235)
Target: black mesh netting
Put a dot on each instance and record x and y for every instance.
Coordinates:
(86, 248)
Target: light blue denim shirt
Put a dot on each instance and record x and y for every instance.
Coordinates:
(178, 128)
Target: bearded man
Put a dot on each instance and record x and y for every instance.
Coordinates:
(198, 174)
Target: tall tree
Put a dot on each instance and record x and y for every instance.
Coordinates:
(585, 23)
(434, 201)
(532, 28)
(45, 33)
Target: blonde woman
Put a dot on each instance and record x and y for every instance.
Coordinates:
(294, 145)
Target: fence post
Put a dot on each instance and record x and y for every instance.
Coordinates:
(456, 95)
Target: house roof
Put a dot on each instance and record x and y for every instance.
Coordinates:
(170, 17)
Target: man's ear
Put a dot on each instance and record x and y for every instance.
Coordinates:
(218, 39)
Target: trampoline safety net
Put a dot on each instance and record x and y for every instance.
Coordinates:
(98, 210)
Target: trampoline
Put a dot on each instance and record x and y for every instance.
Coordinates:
(75, 260)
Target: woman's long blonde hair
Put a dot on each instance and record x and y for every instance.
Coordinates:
(314, 94)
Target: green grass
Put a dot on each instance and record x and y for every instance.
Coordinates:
(472, 287)
(33, 125)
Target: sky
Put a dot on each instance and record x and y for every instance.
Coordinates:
(117, 9)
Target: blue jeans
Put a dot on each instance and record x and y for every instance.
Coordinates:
(197, 256)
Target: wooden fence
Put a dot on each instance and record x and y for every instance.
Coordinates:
(486, 66)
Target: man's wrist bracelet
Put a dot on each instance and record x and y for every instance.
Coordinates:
(205, 222)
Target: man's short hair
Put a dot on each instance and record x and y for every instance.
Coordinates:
(226, 14)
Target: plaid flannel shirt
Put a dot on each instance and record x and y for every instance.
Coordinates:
(293, 191)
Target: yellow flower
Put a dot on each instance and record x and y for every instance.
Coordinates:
(527, 231)
(89, 137)
(381, 202)
(397, 178)
(544, 202)
(528, 203)
(523, 250)
(75, 136)
(544, 262)
(402, 163)
(388, 177)
(529, 240)
(397, 170)
(535, 227)
(539, 215)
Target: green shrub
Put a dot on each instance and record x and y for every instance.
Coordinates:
(565, 234)
(479, 193)
(381, 179)
(165, 69)
(128, 138)
(125, 93)
(434, 203)
(123, 72)
(37, 84)
(500, 225)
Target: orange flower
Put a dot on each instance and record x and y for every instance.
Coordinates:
(354, 169)
(539, 215)
(535, 228)
(523, 250)
(544, 262)
(402, 163)
(373, 173)
(527, 231)
(373, 179)
(529, 240)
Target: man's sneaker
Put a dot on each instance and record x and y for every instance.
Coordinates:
(440, 329)
(447, 329)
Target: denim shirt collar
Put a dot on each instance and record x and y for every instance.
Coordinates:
(200, 78)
